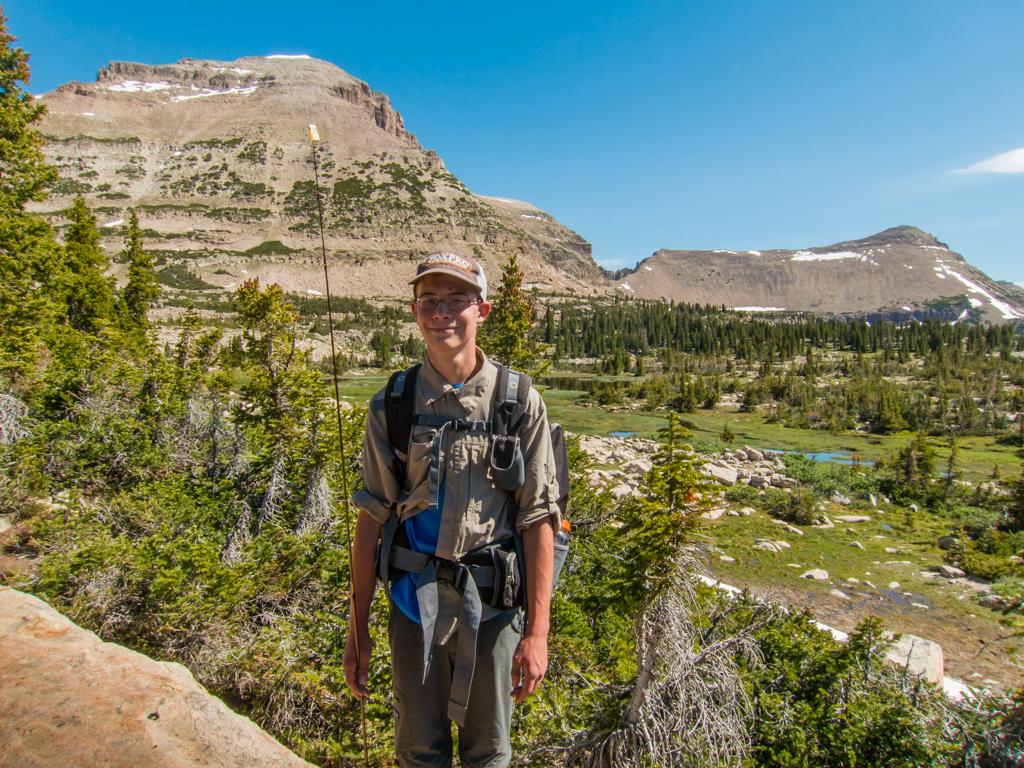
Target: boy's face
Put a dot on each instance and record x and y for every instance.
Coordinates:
(444, 331)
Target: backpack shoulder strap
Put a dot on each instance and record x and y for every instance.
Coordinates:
(399, 403)
(511, 393)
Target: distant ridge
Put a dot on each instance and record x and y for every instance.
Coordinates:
(898, 274)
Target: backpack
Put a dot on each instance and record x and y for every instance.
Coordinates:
(511, 392)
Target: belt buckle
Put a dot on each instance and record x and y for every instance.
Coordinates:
(451, 573)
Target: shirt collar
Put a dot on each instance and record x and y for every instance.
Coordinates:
(469, 395)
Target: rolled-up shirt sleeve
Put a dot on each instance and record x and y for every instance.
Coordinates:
(537, 498)
(381, 488)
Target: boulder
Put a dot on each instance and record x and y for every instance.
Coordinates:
(621, 491)
(892, 551)
(794, 530)
(854, 518)
(783, 545)
(748, 511)
(948, 542)
(639, 467)
(722, 475)
(70, 699)
(767, 546)
(781, 481)
(758, 481)
(838, 498)
(839, 593)
(817, 574)
(727, 559)
(857, 545)
(894, 585)
(995, 602)
(920, 657)
(753, 454)
(714, 514)
(950, 572)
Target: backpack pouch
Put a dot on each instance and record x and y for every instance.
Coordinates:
(508, 468)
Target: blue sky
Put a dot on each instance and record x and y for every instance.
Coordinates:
(741, 125)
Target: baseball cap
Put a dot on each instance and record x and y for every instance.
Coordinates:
(457, 265)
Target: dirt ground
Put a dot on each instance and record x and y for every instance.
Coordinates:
(19, 558)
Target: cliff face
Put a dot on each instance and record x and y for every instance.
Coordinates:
(216, 159)
(897, 274)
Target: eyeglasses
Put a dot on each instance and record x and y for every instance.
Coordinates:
(455, 304)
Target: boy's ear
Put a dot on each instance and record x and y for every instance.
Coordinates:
(484, 310)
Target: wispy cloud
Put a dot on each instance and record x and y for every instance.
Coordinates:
(1008, 162)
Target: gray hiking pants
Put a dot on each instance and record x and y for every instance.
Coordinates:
(423, 732)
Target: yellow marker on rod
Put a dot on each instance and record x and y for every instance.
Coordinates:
(313, 135)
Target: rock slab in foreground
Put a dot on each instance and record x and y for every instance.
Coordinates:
(69, 699)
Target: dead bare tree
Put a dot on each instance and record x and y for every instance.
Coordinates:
(13, 420)
(317, 511)
(689, 706)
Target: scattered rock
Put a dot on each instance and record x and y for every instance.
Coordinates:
(748, 511)
(948, 542)
(995, 602)
(5, 525)
(783, 545)
(723, 475)
(920, 605)
(68, 698)
(815, 573)
(892, 551)
(950, 572)
(723, 558)
(621, 491)
(794, 530)
(793, 565)
(639, 467)
(714, 514)
(857, 545)
(733, 513)
(854, 518)
(873, 501)
(767, 546)
(1015, 559)
(778, 522)
(838, 498)
(781, 481)
(894, 585)
(758, 481)
(839, 593)
(753, 454)
(920, 657)
(852, 580)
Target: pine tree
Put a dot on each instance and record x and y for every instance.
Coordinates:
(88, 293)
(505, 333)
(29, 255)
(141, 289)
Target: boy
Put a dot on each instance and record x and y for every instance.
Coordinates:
(442, 499)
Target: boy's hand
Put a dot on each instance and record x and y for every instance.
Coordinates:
(529, 665)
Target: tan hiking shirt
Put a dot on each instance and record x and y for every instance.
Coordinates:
(474, 509)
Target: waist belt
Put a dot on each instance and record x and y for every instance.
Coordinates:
(464, 578)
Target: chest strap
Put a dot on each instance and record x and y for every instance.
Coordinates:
(443, 423)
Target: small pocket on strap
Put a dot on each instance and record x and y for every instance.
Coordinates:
(508, 468)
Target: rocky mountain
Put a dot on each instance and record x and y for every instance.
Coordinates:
(897, 274)
(216, 159)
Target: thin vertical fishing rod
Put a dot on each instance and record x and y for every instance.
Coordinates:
(314, 137)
